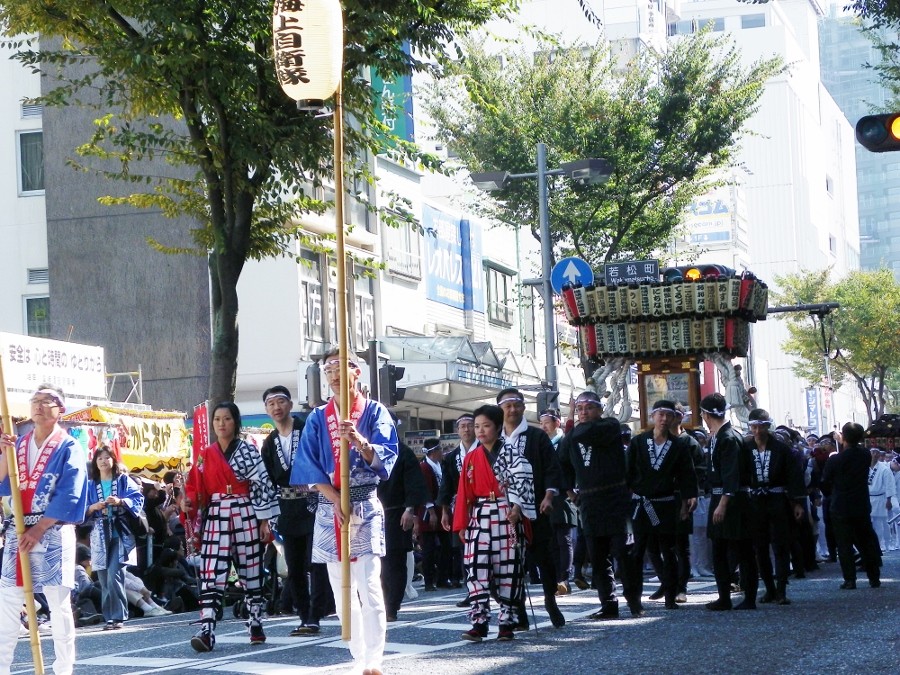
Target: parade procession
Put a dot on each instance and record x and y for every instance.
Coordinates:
(473, 336)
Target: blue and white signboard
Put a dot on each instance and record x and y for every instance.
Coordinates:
(571, 271)
(452, 260)
(812, 410)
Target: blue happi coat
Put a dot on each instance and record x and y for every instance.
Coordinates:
(125, 488)
(314, 463)
(61, 493)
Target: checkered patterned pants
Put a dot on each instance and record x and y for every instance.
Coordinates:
(230, 533)
(493, 563)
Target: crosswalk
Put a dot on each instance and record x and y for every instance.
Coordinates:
(432, 623)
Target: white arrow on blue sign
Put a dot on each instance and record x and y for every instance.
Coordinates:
(571, 271)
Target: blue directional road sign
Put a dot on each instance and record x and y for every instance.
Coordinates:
(571, 271)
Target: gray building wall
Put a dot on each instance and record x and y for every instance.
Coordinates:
(845, 50)
(109, 287)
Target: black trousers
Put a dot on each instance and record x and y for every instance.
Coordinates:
(683, 558)
(605, 550)
(564, 549)
(436, 558)
(393, 580)
(297, 554)
(858, 532)
(664, 545)
(540, 554)
(773, 530)
(742, 550)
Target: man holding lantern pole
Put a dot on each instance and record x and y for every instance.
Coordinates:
(52, 472)
(369, 429)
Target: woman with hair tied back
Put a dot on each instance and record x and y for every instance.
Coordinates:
(111, 492)
(231, 488)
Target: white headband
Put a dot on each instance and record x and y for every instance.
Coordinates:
(55, 396)
(714, 413)
(668, 410)
(511, 399)
(337, 362)
(277, 394)
(759, 423)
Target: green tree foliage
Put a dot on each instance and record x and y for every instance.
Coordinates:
(193, 82)
(863, 335)
(668, 123)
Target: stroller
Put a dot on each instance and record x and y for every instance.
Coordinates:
(274, 568)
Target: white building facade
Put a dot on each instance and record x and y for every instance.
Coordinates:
(25, 299)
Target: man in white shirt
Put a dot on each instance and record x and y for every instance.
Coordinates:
(882, 490)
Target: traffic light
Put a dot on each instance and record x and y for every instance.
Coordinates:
(547, 400)
(696, 272)
(389, 392)
(879, 133)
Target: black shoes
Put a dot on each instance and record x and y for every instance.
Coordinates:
(719, 606)
(581, 583)
(257, 636)
(463, 603)
(556, 616)
(657, 594)
(305, 629)
(767, 597)
(848, 586)
(744, 604)
(605, 615)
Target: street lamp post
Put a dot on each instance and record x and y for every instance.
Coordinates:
(584, 171)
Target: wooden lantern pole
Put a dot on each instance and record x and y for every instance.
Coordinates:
(344, 356)
(19, 516)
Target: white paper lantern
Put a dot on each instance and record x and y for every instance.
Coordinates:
(309, 48)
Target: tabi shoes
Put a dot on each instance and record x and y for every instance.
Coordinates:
(506, 633)
(257, 636)
(204, 640)
(476, 633)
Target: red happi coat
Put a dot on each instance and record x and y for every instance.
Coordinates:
(476, 481)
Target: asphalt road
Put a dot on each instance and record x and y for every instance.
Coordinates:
(825, 630)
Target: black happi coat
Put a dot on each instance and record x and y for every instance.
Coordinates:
(404, 488)
(296, 519)
(731, 471)
(671, 475)
(593, 462)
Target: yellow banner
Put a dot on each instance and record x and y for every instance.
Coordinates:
(149, 443)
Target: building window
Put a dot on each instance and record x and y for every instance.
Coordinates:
(363, 307)
(31, 162)
(37, 316)
(753, 21)
(311, 299)
(829, 185)
(404, 246)
(832, 244)
(500, 291)
(718, 23)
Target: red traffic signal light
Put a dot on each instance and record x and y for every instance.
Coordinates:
(879, 133)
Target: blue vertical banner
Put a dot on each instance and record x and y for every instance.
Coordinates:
(473, 279)
(812, 410)
(453, 264)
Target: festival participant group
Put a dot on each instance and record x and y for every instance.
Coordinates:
(511, 507)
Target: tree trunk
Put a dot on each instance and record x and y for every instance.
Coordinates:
(224, 272)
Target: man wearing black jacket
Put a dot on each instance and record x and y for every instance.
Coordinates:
(845, 480)
(731, 480)
(777, 497)
(532, 446)
(401, 495)
(593, 465)
(663, 484)
(295, 525)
